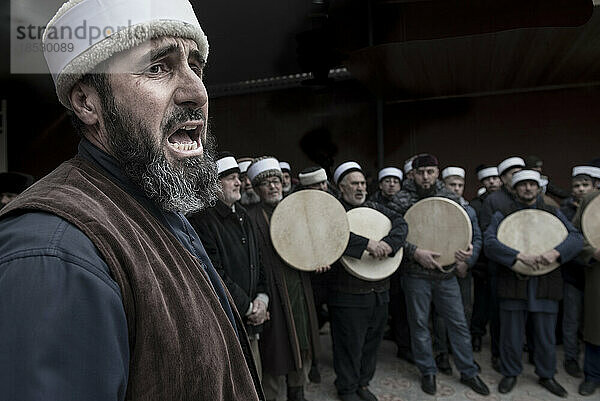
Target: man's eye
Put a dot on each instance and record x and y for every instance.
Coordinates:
(156, 69)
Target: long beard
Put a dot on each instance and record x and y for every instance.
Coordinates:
(249, 198)
(426, 192)
(184, 186)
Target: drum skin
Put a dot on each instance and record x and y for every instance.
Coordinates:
(309, 229)
(441, 225)
(590, 222)
(374, 225)
(532, 231)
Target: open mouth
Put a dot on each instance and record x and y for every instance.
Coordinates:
(186, 137)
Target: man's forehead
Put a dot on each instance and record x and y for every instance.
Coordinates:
(356, 176)
(145, 51)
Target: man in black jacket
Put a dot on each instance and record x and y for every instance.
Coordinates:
(534, 298)
(358, 309)
(229, 237)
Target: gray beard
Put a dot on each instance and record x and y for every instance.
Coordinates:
(185, 186)
(249, 198)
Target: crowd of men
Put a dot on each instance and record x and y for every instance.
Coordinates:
(433, 313)
(143, 268)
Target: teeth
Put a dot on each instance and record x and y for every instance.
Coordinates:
(185, 146)
(189, 128)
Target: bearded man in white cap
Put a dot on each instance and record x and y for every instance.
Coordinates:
(286, 174)
(230, 240)
(97, 258)
(454, 179)
(535, 298)
(289, 341)
(501, 199)
(249, 196)
(358, 309)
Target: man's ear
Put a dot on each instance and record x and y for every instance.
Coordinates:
(85, 103)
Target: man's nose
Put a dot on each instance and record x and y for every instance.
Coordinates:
(190, 91)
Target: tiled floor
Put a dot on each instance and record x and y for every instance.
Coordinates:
(396, 380)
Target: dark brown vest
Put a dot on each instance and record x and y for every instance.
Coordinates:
(182, 345)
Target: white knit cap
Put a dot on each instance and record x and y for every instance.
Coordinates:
(592, 171)
(408, 166)
(314, 177)
(227, 165)
(449, 171)
(110, 27)
(390, 172)
(487, 172)
(244, 165)
(510, 162)
(264, 168)
(526, 175)
(285, 166)
(481, 191)
(344, 169)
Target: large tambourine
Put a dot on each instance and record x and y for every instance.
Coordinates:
(532, 231)
(309, 229)
(590, 222)
(440, 225)
(374, 225)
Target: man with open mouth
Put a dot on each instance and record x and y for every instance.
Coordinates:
(106, 290)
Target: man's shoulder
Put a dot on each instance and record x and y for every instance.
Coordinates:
(36, 234)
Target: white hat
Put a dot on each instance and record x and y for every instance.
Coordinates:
(487, 172)
(481, 191)
(527, 175)
(263, 168)
(244, 165)
(449, 171)
(312, 177)
(110, 27)
(510, 162)
(592, 171)
(285, 166)
(344, 169)
(408, 166)
(227, 165)
(390, 172)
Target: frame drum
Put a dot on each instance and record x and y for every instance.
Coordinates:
(441, 225)
(532, 231)
(590, 222)
(374, 225)
(309, 229)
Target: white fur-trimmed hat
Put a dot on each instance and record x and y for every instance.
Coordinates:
(343, 169)
(527, 175)
(450, 171)
(244, 163)
(510, 162)
(110, 27)
(263, 167)
(592, 171)
(314, 176)
(487, 172)
(226, 164)
(481, 191)
(285, 166)
(390, 172)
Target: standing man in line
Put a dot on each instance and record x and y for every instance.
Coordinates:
(248, 195)
(454, 179)
(536, 297)
(290, 339)
(106, 292)
(502, 199)
(229, 238)
(359, 308)
(286, 173)
(491, 181)
(425, 283)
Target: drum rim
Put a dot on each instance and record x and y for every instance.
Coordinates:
(584, 225)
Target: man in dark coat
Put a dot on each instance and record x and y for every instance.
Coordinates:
(289, 340)
(491, 181)
(499, 200)
(358, 308)
(390, 183)
(229, 238)
(424, 282)
(535, 298)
